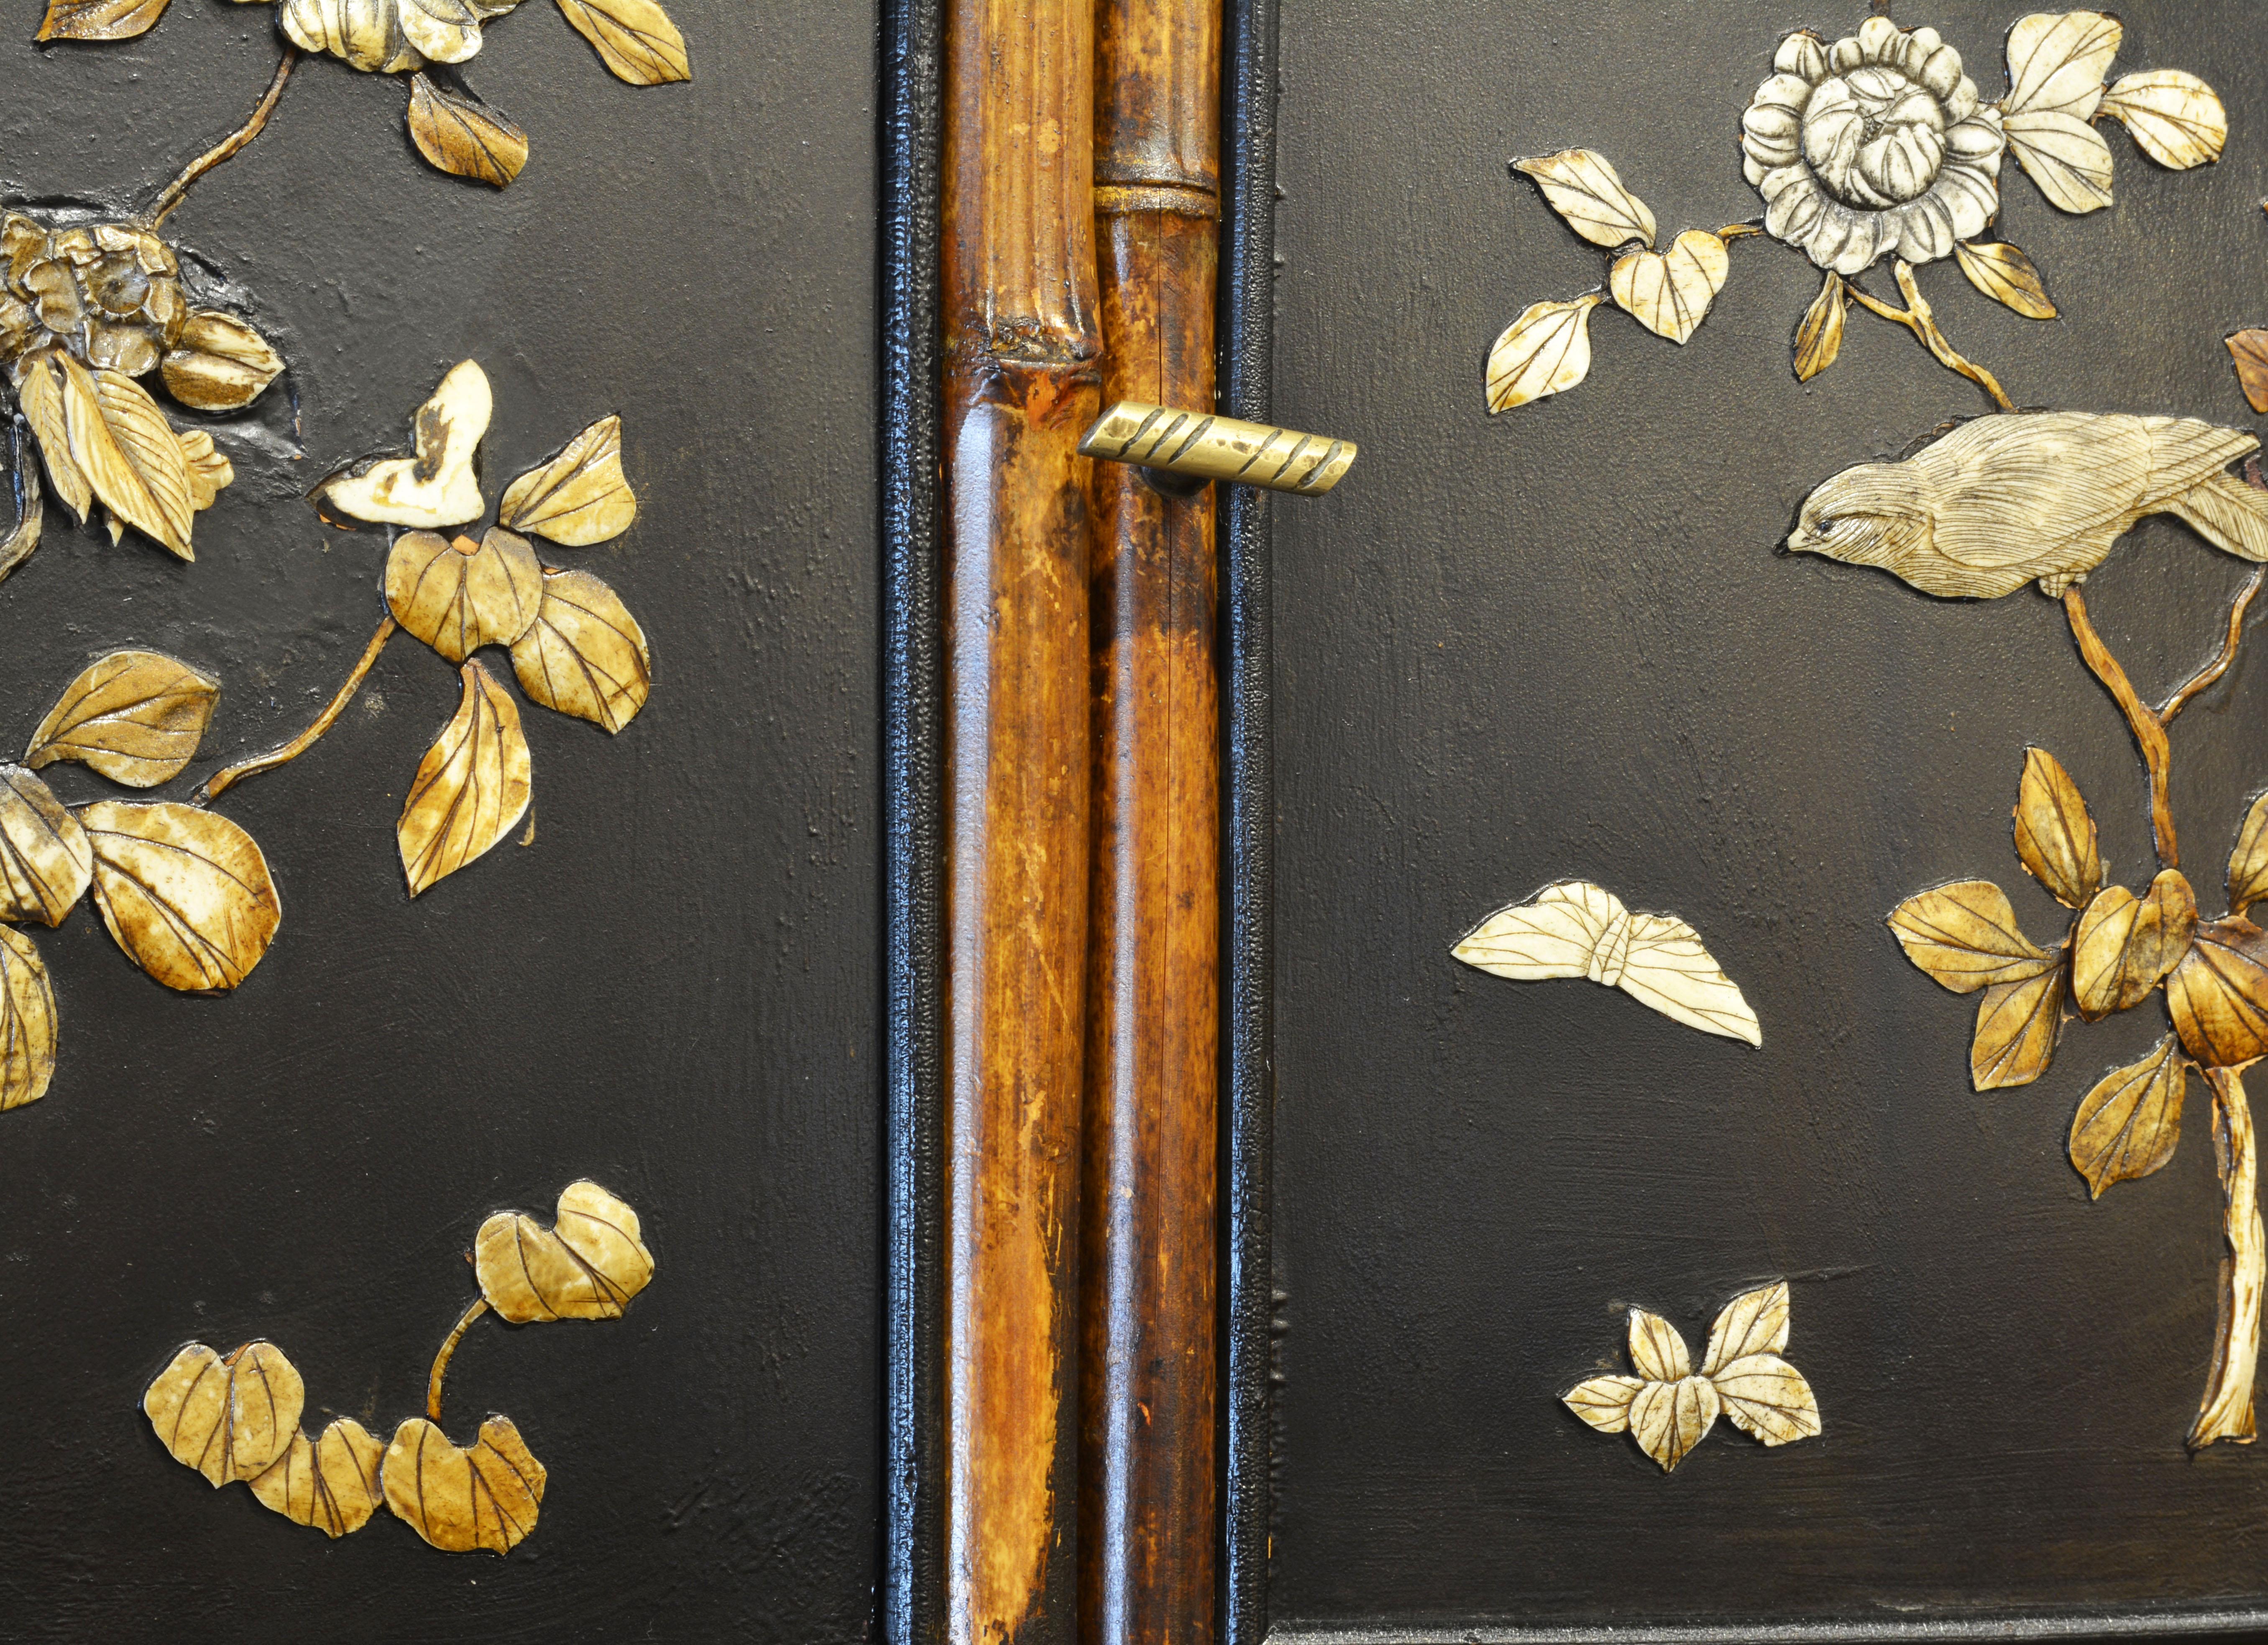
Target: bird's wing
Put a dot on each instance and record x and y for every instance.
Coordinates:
(2052, 490)
(2184, 452)
(1553, 934)
(1667, 967)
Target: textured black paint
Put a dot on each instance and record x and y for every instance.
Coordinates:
(677, 990)
(1558, 642)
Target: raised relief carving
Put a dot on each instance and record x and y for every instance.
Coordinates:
(574, 646)
(1668, 1408)
(450, 126)
(238, 1418)
(1877, 146)
(1573, 928)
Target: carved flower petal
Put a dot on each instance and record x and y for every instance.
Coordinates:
(1802, 54)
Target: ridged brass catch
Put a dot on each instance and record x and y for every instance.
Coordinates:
(1194, 447)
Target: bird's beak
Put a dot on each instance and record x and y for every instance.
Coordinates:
(1798, 542)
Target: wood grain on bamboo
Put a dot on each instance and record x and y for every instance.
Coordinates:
(1020, 343)
(1146, 1508)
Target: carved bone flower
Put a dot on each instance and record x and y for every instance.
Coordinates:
(1876, 145)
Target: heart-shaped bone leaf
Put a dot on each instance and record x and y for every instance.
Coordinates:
(463, 135)
(135, 716)
(635, 39)
(588, 1267)
(2016, 1029)
(2177, 119)
(185, 892)
(2054, 833)
(1768, 1398)
(1669, 292)
(1584, 190)
(220, 364)
(1605, 1402)
(331, 1482)
(2124, 945)
(585, 654)
(581, 497)
(2219, 993)
(437, 487)
(1669, 1419)
(1754, 1322)
(460, 597)
(1656, 1348)
(228, 1419)
(1545, 351)
(462, 1500)
(45, 861)
(2128, 1125)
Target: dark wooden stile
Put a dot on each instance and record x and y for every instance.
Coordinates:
(1020, 387)
(1147, 1520)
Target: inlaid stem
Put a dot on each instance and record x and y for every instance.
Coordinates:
(229, 147)
(221, 781)
(2149, 729)
(1918, 318)
(2225, 1413)
(448, 1352)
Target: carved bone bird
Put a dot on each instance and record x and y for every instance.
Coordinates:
(2013, 496)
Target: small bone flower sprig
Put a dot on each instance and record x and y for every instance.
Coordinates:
(1669, 1410)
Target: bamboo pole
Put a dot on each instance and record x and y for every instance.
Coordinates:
(1148, 1354)
(1021, 386)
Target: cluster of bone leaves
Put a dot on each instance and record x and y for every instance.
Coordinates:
(453, 128)
(186, 892)
(87, 310)
(2122, 947)
(236, 1417)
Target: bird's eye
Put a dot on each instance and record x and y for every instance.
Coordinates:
(1825, 525)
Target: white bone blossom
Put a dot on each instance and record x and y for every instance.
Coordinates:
(1877, 144)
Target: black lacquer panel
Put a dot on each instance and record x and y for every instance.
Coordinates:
(1558, 642)
(676, 989)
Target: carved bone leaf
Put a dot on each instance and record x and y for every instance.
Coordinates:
(2007, 276)
(2016, 1029)
(45, 860)
(2055, 835)
(331, 1482)
(186, 893)
(581, 497)
(459, 1500)
(2058, 62)
(1546, 352)
(1656, 1348)
(2066, 156)
(2250, 350)
(1754, 1322)
(364, 34)
(2175, 118)
(99, 20)
(460, 597)
(27, 1021)
(135, 716)
(1583, 189)
(2248, 864)
(2124, 945)
(1965, 937)
(588, 1265)
(1768, 1398)
(437, 487)
(220, 364)
(209, 473)
(471, 788)
(463, 135)
(2219, 993)
(1669, 1419)
(585, 656)
(1819, 336)
(131, 458)
(2128, 1124)
(1605, 1402)
(635, 39)
(41, 396)
(1669, 292)
(228, 1419)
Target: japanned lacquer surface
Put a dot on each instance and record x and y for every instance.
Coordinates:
(1558, 643)
(674, 990)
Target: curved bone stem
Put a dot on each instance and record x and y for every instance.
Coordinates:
(229, 776)
(1916, 318)
(2225, 1412)
(2148, 726)
(229, 147)
(449, 1352)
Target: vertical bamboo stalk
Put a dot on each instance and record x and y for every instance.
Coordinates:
(1021, 386)
(1148, 1416)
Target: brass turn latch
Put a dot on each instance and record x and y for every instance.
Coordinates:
(1181, 450)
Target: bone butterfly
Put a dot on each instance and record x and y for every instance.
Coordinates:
(1573, 928)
